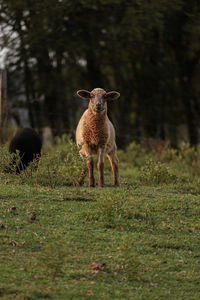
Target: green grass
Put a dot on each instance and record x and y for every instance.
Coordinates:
(138, 241)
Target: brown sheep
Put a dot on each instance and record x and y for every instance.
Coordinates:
(96, 135)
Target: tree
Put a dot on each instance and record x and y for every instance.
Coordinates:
(147, 50)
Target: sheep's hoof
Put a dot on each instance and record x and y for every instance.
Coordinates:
(80, 183)
(91, 185)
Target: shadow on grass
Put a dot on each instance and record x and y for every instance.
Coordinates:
(75, 199)
(174, 246)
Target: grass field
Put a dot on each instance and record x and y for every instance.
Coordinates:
(138, 241)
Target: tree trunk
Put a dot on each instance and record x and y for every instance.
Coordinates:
(189, 104)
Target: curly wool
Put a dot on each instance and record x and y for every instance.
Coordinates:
(95, 131)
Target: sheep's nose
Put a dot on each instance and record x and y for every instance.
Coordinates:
(98, 106)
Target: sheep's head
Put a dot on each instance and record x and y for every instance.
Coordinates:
(98, 98)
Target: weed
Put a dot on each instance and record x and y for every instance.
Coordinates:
(51, 259)
(112, 212)
(129, 261)
(156, 172)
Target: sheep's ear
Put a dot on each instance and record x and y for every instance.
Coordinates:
(112, 95)
(83, 94)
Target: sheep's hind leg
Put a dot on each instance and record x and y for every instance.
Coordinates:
(84, 171)
(115, 167)
(83, 174)
(101, 167)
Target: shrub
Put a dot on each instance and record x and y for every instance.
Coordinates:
(134, 154)
(6, 159)
(60, 165)
(156, 172)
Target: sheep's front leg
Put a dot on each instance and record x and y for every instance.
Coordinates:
(101, 167)
(91, 172)
(115, 167)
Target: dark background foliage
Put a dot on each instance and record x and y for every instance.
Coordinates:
(149, 51)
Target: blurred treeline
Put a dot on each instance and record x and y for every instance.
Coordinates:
(148, 50)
